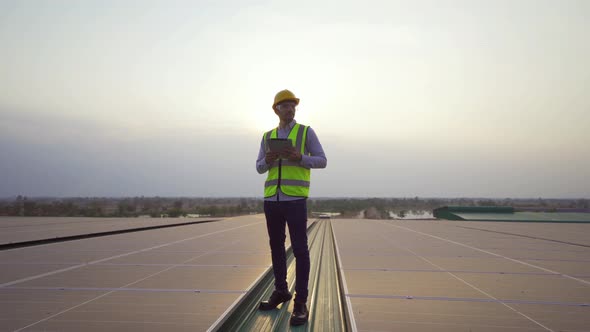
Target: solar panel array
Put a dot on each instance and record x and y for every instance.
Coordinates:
(178, 278)
(23, 229)
(441, 276)
(398, 275)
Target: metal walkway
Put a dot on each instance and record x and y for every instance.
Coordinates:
(327, 305)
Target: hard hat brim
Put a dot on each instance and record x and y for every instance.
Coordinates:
(296, 100)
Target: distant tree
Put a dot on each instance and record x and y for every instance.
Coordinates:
(178, 204)
(174, 213)
(29, 208)
(486, 202)
(126, 208)
(95, 209)
(372, 213)
(18, 205)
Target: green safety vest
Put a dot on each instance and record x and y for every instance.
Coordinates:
(289, 176)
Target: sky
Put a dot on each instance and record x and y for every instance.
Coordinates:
(408, 98)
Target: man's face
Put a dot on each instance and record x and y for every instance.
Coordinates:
(286, 110)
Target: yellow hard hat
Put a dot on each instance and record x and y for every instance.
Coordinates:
(284, 95)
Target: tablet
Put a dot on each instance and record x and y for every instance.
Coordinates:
(279, 144)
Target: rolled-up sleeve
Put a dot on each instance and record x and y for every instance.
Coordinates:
(317, 156)
(261, 166)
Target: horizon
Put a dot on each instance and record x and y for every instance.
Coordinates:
(311, 198)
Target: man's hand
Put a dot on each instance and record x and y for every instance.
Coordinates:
(271, 157)
(291, 153)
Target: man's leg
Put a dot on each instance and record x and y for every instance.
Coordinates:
(275, 224)
(297, 220)
(296, 214)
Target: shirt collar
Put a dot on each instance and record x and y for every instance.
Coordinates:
(290, 125)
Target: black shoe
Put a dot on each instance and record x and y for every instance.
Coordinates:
(276, 298)
(300, 314)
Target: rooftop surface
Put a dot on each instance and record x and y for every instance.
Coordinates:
(419, 275)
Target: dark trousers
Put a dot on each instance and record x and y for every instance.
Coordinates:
(294, 214)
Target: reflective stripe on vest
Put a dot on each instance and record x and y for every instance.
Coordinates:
(292, 178)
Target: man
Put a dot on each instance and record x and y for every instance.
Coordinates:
(285, 200)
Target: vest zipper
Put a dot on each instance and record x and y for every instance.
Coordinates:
(279, 182)
(280, 160)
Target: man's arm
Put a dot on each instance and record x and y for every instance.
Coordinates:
(317, 157)
(261, 165)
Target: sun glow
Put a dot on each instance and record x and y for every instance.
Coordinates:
(263, 120)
